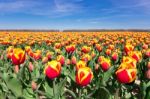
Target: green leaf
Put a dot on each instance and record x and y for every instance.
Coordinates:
(103, 93)
(28, 93)
(108, 74)
(60, 88)
(15, 86)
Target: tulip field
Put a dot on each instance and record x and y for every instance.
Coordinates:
(74, 65)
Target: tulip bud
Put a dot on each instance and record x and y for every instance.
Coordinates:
(34, 85)
(148, 65)
(53, 69)
(45, 60)
(73, 60)
(31, 67)
(84, 76)
(86, 49)
(105, 64)
(108, 52)
(114, 56)
(36, 56)
(145, 46)
(16, 69)
(61, 59)
(96, 67)
(147, 74)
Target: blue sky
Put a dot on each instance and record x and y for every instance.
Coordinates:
(74, 14)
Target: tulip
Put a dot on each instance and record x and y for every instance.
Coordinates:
(114, 56)
(44, 60)
(18, 56)
(145, 46)
(84, 76)
(34, 85)
(80, 64)
(70, 48)
(108, 52)
(148, 53)
(73, 60)
(126, 75)
(111, 47)
(61, 59)
(98, 47)
(57, 45)
(49, 55)
(86, 57)
(37, 56)
(86, 49)
(53, 69)
(16, 69)
(148, 65)
(28, 48)
(105, 64)
(31, 67)
(130, 62)
(128, 48)
(147, 74)
(137, 55)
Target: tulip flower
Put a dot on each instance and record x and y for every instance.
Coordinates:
(126, 75)
(128, 48)
(18, 56)
(44, 60)
(114, 56)
(129, 61)
(108, 52)
(73, 60)
(98, 47)
(31, 66)
(28, 48)
(37, 56)
(53, 69)
(57, 45)
(137, 55)
(86, 49)
(80, 64)
(105, 64)
(86, 57)
(84, 76)
(61, 59)
(70, 48)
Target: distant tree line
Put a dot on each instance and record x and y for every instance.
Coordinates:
(75, 30)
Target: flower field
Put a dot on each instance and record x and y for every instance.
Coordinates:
(74, 65)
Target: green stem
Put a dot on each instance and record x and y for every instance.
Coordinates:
(54, 92)
(80, 93)
(71, 93)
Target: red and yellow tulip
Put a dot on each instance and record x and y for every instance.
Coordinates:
(18, 56)
(53, 69)
(84, 76)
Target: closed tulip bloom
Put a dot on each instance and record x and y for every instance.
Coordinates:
(128, 48)
(70, 48)
(53, 69)
(126, 75)
(105, 64)
(84, 76)
(129, 61)
(80, 64)
(137, 55)
(86, 49)
(73, 60)
(114, 56)
(18, 56)
(61, 59)
(98, 47)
